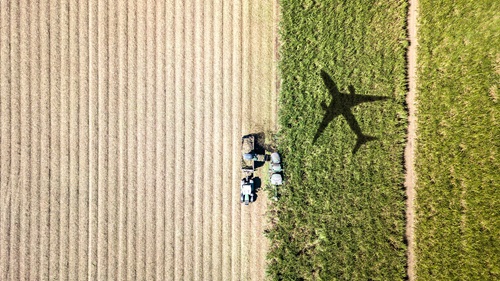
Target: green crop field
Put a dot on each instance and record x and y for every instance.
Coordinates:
(341, 214)
(458, 156)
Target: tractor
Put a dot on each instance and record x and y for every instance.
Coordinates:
(246, 190)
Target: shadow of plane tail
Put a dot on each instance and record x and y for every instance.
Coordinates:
(362, 139)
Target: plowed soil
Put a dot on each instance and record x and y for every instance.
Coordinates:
(120, 132)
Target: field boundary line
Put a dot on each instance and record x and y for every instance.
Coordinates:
(410, 176)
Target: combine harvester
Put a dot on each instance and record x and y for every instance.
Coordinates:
(248, 159)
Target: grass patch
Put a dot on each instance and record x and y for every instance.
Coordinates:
(458, 155)
(341, 215)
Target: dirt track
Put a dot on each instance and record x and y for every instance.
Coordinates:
(120, 130)
(410, 176)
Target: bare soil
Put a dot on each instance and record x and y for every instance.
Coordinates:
(120, 132)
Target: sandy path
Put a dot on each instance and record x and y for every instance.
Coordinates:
(120, 132)
(410, 180)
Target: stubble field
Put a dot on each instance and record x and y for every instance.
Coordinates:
(120, 131)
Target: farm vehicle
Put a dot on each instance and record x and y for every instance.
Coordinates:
(247, 190)
(275, 173)
(249, 157)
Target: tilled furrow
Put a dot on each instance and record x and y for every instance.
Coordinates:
(227, 164)
(150, 143)
(83, 142)
(93, 141)
(208, 130)
(55, 140)
(73, 140)
(170, 136)
(246, 113)
(35, 133)
(131, 115)
(199, 190)
(44, 204)
(179, 120)
(142, 116)
(113, 144)
(189, 141)
(217, 142)
(122, 157)
(160, 128)
(25, 143)
(236, 138)
(64, 96)
(5, 135)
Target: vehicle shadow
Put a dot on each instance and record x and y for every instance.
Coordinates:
(260, 147)
(257, 184)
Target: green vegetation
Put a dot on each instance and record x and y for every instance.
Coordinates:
(341, 215)
(458, 158)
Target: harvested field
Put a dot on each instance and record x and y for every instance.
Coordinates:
(120, 131)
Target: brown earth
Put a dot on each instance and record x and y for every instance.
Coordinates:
(120, 131)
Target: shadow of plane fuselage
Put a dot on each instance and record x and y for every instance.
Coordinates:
(341, 105)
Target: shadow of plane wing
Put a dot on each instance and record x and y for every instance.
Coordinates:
(329, 115)
(355, 99)
(360, 141)
(354, 125)
(330, 85)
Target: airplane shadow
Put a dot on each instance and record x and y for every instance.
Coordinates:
(341, 104)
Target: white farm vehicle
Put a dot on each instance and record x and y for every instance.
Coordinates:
(246, 191)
